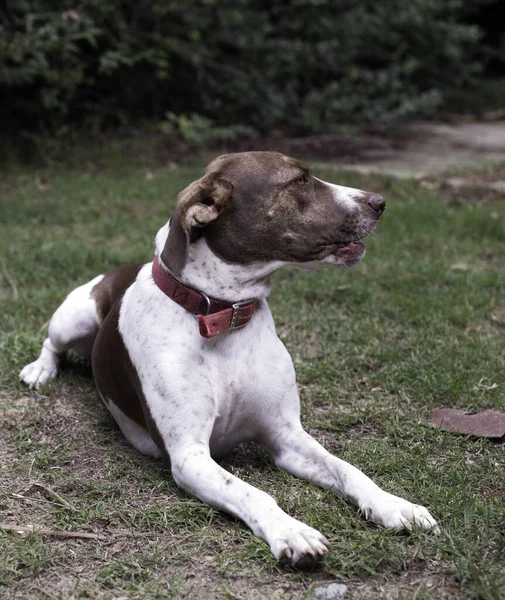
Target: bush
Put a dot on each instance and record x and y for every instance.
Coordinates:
(308, 64)
(198, 131)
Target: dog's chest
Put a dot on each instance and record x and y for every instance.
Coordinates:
(249, 382)
(227, 386)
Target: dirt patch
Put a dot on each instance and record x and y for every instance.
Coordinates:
(482, 187)
(434, 583)
(474, 194)
(489, 174)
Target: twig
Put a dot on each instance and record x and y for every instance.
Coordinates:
(60, 501)
(52, 493)
(39, 500)
(72, 534)
(12, 283)
(31, 467)
(63, 534)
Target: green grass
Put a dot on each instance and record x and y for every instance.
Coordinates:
(419, 324)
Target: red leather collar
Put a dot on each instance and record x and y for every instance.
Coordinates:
(214, 316)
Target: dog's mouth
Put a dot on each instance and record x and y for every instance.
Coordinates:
(344, 253)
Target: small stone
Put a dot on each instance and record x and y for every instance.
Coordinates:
(330, 592)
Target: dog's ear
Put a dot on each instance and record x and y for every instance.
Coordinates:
(197, 205)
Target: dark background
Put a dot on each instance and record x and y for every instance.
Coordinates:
(207, 69)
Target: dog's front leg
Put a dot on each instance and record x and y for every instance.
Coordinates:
(295, 450)
(290, 540)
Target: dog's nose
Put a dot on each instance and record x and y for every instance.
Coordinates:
(377, 203)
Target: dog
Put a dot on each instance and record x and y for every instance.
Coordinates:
(184, 350)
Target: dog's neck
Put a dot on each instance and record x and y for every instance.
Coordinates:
(208, 273)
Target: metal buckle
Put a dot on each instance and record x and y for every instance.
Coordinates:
(236, 307)
(207, 299)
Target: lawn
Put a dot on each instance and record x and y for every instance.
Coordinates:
(419, 324)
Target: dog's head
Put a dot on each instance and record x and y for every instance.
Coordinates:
(264, 206)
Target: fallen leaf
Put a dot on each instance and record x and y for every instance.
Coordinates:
(488, 424)
(459, 267)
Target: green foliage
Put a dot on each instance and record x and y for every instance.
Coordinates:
(309, 64)
(197, 130)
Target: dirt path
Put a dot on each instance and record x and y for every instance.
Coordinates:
(432, 147)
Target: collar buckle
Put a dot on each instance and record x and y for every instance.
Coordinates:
(236, 306)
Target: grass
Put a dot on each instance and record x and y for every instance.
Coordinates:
(418, 324)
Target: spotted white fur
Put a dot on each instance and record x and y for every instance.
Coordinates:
(207, 396)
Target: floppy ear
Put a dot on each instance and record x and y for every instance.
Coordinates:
(197, 205)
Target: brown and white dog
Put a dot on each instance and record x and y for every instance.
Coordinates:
(191, 389)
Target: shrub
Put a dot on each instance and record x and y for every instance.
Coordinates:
(308, 64)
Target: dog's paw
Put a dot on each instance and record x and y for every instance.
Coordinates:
(38, 373)
(396, 513)
(299, 545)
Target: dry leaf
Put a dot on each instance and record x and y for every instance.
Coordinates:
(489, 424)
(459, 267)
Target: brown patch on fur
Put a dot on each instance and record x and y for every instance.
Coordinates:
(197, 205)
(116, 378)
(112, 287)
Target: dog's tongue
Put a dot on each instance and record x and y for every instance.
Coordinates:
(350, 246)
